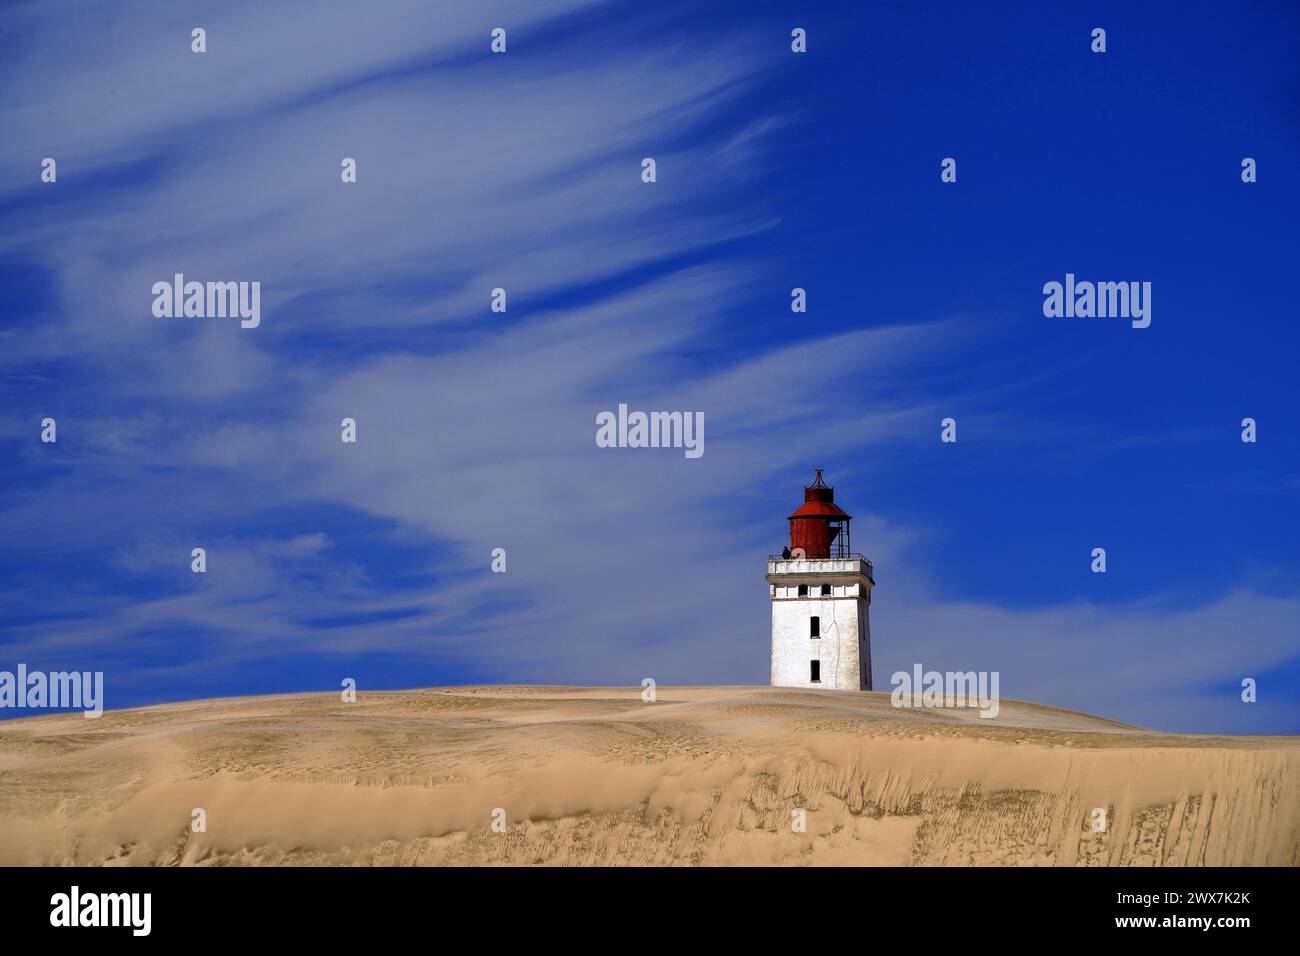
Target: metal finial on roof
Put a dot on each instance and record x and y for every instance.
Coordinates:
(819, 482)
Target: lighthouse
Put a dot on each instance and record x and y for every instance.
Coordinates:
(821, 595)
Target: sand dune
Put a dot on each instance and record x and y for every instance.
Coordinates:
(705, 775)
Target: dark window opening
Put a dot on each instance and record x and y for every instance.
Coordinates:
(815, 627)
(826, 590)
(815, 668)
(803, 590)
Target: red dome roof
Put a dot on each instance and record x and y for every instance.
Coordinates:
(819, 501)
(820, 509)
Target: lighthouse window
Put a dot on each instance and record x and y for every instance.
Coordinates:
(826, 590)
(815, 671)
(815, 628)
(803, 590)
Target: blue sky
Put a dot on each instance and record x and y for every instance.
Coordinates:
(476, 430)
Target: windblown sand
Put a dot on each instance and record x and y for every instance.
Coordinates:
(705, 775)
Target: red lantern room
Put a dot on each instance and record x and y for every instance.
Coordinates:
(820, 526)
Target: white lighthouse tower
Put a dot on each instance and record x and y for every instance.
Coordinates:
(821, 595)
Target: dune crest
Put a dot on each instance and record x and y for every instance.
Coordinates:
(705, 775)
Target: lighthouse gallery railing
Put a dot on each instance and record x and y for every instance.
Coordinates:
(849, 563)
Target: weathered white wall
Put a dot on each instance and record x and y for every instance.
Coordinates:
(842, 648)
(864, 641)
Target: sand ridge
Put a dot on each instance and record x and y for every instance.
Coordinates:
(704, 775)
